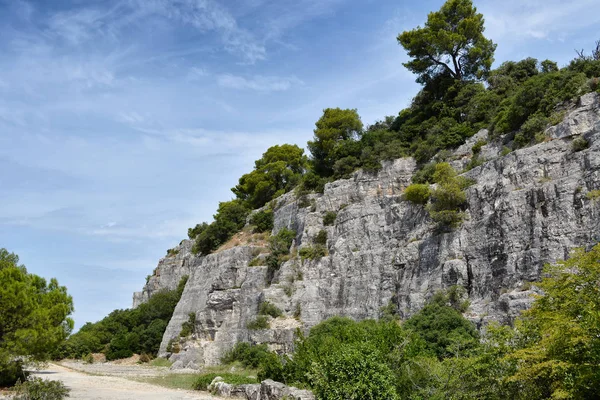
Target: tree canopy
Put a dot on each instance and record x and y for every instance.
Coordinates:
(277, 172)
(559, 352)
(34, 314)
(334, 127)
(450, 44)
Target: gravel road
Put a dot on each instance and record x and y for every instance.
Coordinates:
(92, 387)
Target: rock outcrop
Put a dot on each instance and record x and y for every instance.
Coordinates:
(525, 209)
(266, 390)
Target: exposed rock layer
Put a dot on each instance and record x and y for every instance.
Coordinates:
(525, 209)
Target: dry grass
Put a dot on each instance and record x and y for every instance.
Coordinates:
(247, 238)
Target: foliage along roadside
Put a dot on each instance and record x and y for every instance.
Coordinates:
(125, 332)
(34, 317)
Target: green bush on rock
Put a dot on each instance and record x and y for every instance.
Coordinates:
(417, 193)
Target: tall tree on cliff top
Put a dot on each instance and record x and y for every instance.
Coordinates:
(450, 44)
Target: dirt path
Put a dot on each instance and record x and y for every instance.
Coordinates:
(91, 387)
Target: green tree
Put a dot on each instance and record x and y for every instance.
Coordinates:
(277, 172)
(355, 372)
(34, 316)
(332, 129)
(445, 331)
(229, 219)
(451, 43)
(559, 355)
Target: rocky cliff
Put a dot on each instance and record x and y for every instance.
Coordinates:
(525, 209)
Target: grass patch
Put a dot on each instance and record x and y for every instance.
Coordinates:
(172, 381)
(261, 322)
(160, 362)
(204, 380)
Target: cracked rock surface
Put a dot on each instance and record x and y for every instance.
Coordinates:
(525, 209)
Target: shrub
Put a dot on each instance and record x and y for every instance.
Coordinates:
(580, 144)
(268, 308)
(354, 372)
(12, 372)
(336, 334)
(261, 322)
(417, 193)
(256, 262)
(145, 358)
(204, 380)
(425, 174)
(329, 218)
(279, 245)
(198, 229)
(321, 238)
(476, 149)
(188, 327)
(262, 221)
(475, 162)
(172, 252)
(281, 242)
(88, 358)
(229, 219)
(313, 252)
(312, 182)
(298, 311)
(443, 328)
(249, 355)
(40, 389)
(271, 367)
(593, 195)
(448, 198)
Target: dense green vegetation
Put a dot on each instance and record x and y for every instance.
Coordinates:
(34, 317)
(40, 389)
(461, 94)
(125, 332)
(551, 352)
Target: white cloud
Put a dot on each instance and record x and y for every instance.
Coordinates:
(258, 83)
(513, 20)
(208, 15)
(196, 74)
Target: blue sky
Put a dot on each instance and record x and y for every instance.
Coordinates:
(123, 123)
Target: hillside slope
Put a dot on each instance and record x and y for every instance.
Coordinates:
(527, 208)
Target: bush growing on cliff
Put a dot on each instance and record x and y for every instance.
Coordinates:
(329, 218)
(277, 172)
(267, 308)
(448, 199)
(262, 221)
(417, 193)
(229, 219)
(261, 322)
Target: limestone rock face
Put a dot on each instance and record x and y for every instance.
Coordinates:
(525, 209)
(168, 273)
